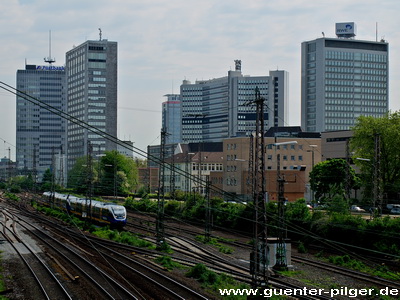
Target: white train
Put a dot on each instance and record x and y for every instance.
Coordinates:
(97, 211)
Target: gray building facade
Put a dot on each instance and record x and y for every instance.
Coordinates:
(91, 70)
(341, 79)
(220, 108)
(40, 134)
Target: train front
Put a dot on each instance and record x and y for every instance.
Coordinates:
(119, 215)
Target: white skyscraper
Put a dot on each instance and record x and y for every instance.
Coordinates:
(342, 79)
(92, 96)
(220, 108)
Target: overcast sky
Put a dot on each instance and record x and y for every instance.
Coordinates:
(162, 42)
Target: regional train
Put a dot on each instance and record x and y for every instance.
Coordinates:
(97, 211)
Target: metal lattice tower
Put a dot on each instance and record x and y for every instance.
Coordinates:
(281, 260)
(172, 177)
(250, 173)
(160, 201)
(258, 257)
(377, 191)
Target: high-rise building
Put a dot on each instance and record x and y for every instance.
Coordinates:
(91, 70)
(224, 107)
(171, 118)
(40, 134)
(341, 79)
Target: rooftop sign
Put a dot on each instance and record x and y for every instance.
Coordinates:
(347, 30)
(50, 68)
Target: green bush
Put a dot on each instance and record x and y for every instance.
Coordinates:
(214, 281)
(168, 263)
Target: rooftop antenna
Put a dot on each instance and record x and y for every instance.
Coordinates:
(100, 33)
(49, 59)
(376, 31)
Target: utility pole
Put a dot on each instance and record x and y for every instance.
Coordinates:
(377, 190)
(250, 173)
(160, 201)
(172, 175)
(61, 172)
(208, 213)
(9, 164)
(281, 260)
(89, 193)
(53, 168)
(348, 171)
(259, 257)
(34, 170)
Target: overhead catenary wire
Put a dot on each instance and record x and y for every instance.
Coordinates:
(107, 136)
(104, 134)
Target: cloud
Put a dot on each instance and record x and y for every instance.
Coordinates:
(163, 42)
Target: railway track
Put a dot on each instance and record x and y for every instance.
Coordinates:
(187, 248)
(48, 283)
(119, 269)
(368, 279)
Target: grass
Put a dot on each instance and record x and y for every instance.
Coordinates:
(380, 271)
(168, 263)
(123, 237)
(213, 281)
(215, 242)
(2, 283)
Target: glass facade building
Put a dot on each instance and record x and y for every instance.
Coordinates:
(342, 79)
(171, 118)
(91, 71)
(40, 134)
(220, 108)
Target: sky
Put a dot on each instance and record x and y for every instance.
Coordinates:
(161, 43)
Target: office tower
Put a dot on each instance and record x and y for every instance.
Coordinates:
(171, 118)
(40, 134)
(224, 107)
(341, 79)
(91, 70)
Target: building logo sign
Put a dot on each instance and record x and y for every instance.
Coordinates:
(50, 68)
(346, 29)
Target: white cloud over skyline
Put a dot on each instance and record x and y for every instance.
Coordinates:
(160, 43)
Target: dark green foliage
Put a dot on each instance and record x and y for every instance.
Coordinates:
(363, 145)
(168, 263)
(330, 177)
(214, 281)
(143, 205)
(165, 247)
(215, 242)
(301, 248)
(348, 262)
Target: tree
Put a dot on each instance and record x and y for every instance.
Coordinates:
(118, 174)
(330, 177)
(47, 180)
(387, 130)
(77, 175)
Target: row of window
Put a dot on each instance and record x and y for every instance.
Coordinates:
(356, 71)
(357, 56)
(356, 83)
(207, 167)
(378, 90)
(355, 64)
